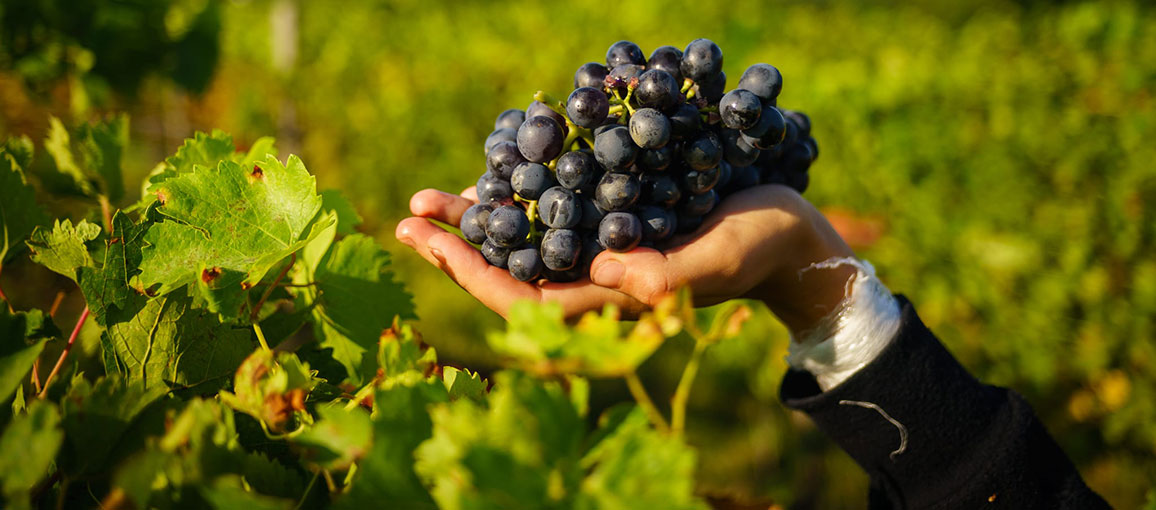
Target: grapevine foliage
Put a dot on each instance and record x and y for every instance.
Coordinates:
(253, 352)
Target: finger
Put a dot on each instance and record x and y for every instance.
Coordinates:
(439, 205)
(471, 194)
(415, 233)
(642, 273)
(491, 285)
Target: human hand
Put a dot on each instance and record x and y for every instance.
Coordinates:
(755, 244)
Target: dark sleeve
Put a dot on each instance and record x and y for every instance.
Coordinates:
(931, 436)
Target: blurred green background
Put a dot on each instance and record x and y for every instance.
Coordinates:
(995, 161)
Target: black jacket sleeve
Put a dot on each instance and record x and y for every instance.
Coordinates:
(931, 436)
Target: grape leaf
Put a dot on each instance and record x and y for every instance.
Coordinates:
(64, 249)
(227, 226)
(19, 212)
(347, 217)
(461, 383)
(106, 285)
(16, 355)
(228, 493)
(385, 477)
(165, 342)
(59, 146)
(401, 350)
(340, 438)
(637, 467)
(271, 387)
(522, 449)
(96, 415)
(27, 449)
(357, 299)
(102, 146)
(19, 149)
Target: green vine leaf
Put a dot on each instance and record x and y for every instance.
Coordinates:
(340, 438)
(27, 450)
(106, 285)
(272, 387)
(23, 334)
(101, 147)
(65, 248)
(96, 416)
(19, 212)
(227, 226)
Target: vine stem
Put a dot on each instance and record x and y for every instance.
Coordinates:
(260, 335)
(64, 354)
(106, 213)
(643, 399)
(682, 392)
(3, 295)
(308, 489)
(256, 312)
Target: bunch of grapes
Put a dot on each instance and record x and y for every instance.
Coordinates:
(641, 150)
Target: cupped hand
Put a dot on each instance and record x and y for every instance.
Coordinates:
(755, 244)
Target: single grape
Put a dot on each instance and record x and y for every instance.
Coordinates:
(623, 74)
(713, 88)
(620, 231)
(494, 254)
(801, 120)
(736, 150)
(703, 152)
(701, 60)
(560, 248)
(687, 223)
(624, 52)
(684, 122)
(669, 59)
(539, 109)
(724, 177)
(508, 226)
(740, 109)
(614, 149)
(769, 131)
(743, 177)
(540, 139)
(813, 146)
(617, 191)
(606, 126)
(657, 89)
(764, 80)
(591, 214)
(503, 158)
(590, 250)
(474, 221)
(698, 205)
(796, 159)
(656, 160)
(649, 128)
(493, 190)
(525, 263)
(700, 181)
(501, 135)
(798, 181)
(576, 170)
(559, 208)
(772, 175)
(591, 74)
(511, 118)
(661, 190)
(587, 107)
(657, 223)
(529, 180)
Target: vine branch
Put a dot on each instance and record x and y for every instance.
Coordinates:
(64, 353)
(643, 399)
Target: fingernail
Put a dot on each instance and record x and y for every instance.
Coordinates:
(437, 254)
(406, 241)
(608, 274)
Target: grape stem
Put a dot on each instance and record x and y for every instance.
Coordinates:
(308, 489)
(552, 102)
(64, 353)
(687, 83)
(532, 214)
(643, 399)
(256, 312)
(682, 392)
(4, 296)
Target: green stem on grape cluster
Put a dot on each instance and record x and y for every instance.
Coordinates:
(690, 94)
(532, 214)
(550, 101)
(643, 399)
(687, 83)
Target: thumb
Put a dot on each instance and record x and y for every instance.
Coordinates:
(641, 273)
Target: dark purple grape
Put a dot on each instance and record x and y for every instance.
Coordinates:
(657, 223)
(501, 135)
(697, 182)
(813, 146)
(617, 191)
(797, 158)
(525, 263)
(493, 190)
(540, 139)
(687, 223)
(508, 226)
(474, 221)
(743, 177)
(703, 152)
(649, 128)
(560, 249)
(669, 59)
(713, 88)
(769, 131)
(764, 80)
(577, 170)
(511, 118)
(591, 74)
(684, 122)
(539, 109)
(736, 150)
(656, 160)
(801, 120)
(657, 89)
(624, 52)
(798, 181)
(590, 250)
(660, 189)
(740, 109)
(530, 180)
(559, 208)
(623, 74)
(591, 214)
(614, 149)
(587, 107)
(502, 158)
(698, 205)
(620, 231)
(701, 60)
(494, 254)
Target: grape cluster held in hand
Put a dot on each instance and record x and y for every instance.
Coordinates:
(641, 150)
